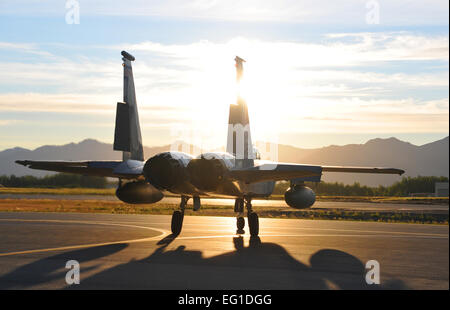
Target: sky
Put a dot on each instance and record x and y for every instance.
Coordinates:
(317, 73)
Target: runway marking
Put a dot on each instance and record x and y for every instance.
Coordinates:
(365, 231)
(71, 247)
(321, 229)
(82, 222)
(301, 228)
(310, 235)
(227, 225)
(164, 233)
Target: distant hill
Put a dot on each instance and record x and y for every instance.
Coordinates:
(88, 149)
(427, 160)
(430, 159)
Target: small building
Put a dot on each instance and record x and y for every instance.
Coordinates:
(441, 189)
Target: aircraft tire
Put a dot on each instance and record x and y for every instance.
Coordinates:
(240, 223)
(253, 224)
(177, 222)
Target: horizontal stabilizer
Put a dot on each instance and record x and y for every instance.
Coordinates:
(116, 169)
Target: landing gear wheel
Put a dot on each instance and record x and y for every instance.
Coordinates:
(239, 205)
(177, 222)
(253, 224)
(240, 223)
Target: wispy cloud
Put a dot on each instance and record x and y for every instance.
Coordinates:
(9, 122)
(316, 87)
(369, 48)
(30, 48)
(394, 12)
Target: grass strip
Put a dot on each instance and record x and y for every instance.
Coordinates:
(102, 206)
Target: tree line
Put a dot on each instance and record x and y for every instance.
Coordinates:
(54, 180)
(405, 187)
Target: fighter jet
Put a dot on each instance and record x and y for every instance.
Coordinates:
(237, 173)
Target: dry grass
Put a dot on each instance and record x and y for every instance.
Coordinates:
(111, 192)
(82, 206)
(102, 206)
(58, 191)
(379, 199)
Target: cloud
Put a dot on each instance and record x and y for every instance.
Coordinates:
(24, 47)
(164, 67)
(9, 122)
(336, 51)
(350, 12)
(315, 87)
(371, 116)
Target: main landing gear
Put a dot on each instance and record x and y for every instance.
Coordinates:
(178, 215)
(253, 220)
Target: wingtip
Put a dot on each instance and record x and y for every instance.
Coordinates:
(21, 162)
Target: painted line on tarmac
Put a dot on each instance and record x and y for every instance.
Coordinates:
(231, 219)
(164, 233)
(319, 229)
(303, 228)
(227, 225)
(71, 247)
(310, 235)
(366, 231)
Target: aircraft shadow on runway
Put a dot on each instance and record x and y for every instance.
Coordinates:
(260, 265)
(53, 268)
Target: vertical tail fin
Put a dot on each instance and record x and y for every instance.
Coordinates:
(239, 140)
(127, 135)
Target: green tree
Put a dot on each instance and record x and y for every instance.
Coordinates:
(55, 180)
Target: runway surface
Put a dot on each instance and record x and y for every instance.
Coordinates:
(137, 252)
(354, 206)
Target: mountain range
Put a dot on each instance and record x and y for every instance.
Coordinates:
(431, 159)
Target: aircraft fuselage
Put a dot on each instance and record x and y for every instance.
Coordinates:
(195, 176)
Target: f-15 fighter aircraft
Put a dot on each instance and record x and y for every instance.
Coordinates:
(237, 173)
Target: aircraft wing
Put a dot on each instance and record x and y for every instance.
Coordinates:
(274, 172)
(362, 170)
(280, 171)
(129, 169)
